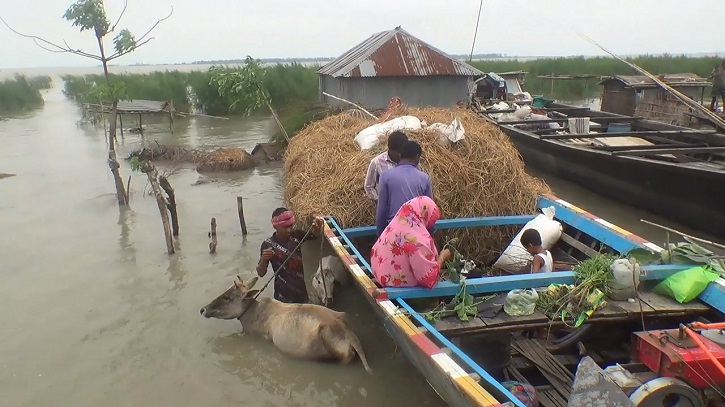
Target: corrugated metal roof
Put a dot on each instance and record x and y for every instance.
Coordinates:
(395, 53)
(675, 80)
(150, 106)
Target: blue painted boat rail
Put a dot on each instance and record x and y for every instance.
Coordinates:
(611, 235)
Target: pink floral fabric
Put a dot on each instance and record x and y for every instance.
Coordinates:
(405, 254)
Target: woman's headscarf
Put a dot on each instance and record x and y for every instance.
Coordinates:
(406, 250)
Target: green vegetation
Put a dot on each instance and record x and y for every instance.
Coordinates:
(287, 85)
(22, 93)
(575, 89)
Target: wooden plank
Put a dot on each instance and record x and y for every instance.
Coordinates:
(633, 308)
(645, 147)
(680, 150)
(452, 223)
(547, 109)
(628, 134)
(502, 319)
(453, 325)
(565, 119)
(578, 245)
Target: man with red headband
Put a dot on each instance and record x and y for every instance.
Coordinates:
(289, 283)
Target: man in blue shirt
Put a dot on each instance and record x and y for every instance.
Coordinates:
(400, 184)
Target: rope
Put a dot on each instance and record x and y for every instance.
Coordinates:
(281, 266)
(322, 273)
(475, 33)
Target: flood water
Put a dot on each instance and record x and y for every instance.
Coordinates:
(95, 313)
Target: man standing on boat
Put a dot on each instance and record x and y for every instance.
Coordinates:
(383, 161)
(400, 184)
(718, 85)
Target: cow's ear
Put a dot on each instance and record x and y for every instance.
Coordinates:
(250, 294)
(251, 282)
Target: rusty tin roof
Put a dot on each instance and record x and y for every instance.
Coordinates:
(642, 81)
(395, 53)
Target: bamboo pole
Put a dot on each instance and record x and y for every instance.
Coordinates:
(349, 102)
(697, 239)
(717, 120)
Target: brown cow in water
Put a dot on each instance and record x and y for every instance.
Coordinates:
(305, 331)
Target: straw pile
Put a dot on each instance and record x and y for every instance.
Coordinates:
(483, 175)
(226, 159)
(222, 159)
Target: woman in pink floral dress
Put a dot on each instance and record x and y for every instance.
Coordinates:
(405, 254)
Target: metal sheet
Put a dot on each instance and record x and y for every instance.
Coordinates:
(396, 53)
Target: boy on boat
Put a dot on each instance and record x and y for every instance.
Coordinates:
(383, 161)
(531, 241)
(289, 283)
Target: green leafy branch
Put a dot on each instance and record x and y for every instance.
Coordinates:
(245, 84)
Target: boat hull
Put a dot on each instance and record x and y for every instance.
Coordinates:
(682, 194)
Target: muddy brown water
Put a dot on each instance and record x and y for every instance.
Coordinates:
(94, 312)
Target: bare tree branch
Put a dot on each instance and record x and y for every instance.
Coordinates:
(79, 52)
(60, 49)
(120, 16)
(141, 40)
(120, 54)
(159, 21)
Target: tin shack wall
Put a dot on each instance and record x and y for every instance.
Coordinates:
(375, 92)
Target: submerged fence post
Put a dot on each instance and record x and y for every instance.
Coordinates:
(240, 209)
(212, 235)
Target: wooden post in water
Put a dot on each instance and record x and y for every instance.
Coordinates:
(171, 204)
(240, 209)
(212, 236)
(153, 177)
(120, 121)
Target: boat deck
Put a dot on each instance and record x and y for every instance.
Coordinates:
(652, 305)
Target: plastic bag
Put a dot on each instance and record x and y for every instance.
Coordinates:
(369, 136)
(524, 392)
(684, 286)
(520, 302)
(453, 132)
(516, 257)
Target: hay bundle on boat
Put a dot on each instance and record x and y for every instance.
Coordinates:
(482, 175)
(221, 159)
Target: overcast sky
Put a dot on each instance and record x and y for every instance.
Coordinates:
(227, 29)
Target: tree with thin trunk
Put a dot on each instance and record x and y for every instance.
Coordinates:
(90, 15)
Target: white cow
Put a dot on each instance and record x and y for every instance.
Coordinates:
(334, 271)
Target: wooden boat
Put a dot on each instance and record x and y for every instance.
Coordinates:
(452, 355)
(665, 169)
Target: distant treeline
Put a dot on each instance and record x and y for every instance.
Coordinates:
(22, 93)
(599, 66)
(316, 59)
(191, 91)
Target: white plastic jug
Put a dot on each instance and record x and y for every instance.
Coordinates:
(625, 273)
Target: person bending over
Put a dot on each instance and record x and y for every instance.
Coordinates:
(531, 241)
(405, 255)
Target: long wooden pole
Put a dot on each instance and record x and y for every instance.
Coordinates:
(350, 103)
(717, 120)
(697, 239)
